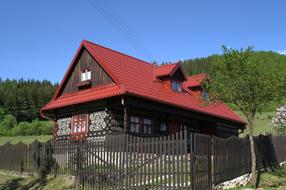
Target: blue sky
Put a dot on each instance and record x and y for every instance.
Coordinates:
(38, 38)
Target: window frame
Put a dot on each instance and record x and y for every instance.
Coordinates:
(82, 123)
(205, 94)
(134, 123)
(144, 128)
(177, 84)
(85, 74)
(147, 127)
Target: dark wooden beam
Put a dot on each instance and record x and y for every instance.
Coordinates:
(172, 110)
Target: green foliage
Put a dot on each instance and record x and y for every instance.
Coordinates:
(25, 139)
(200, 65)
(7, 124)
(243, 79)
(206, 64)
(23, 128)
(36, 127)
(21, 101)
(270, 179)
(24, 98)
(2, 113)
(269, 59)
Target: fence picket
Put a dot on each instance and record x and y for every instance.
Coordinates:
(181, 161)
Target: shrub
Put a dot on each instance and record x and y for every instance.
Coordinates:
(46, 127)
(7, 124)
(2, 113)
(21, 129)
(279, 120)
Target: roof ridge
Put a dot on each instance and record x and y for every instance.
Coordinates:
(164, 65)
(124, 54)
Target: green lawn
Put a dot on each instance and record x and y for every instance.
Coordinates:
(273, 179)
(24, 139)
(262, 122)
(9, 182)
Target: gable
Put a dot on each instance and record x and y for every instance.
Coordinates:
(84, 60)
(178, 75)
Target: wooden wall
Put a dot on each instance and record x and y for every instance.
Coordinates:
(85, 61)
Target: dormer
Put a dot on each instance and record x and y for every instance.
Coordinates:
(171, 75)
(194, 83)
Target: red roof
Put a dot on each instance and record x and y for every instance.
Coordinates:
(194, 81)
(135, 77)
(165, 70)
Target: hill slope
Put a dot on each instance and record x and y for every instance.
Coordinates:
(204, 64)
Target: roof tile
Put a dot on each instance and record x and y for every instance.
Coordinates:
(136, 77)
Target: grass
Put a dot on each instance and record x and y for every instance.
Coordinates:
(270, 180)
(262, 122)
(24, 139)
(9, 182)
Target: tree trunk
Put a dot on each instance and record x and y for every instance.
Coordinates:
(253, 176)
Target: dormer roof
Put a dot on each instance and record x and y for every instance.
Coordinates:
(168, 70)
(194, 81)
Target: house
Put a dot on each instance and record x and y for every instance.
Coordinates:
(107, 91)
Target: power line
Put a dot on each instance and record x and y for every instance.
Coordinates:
(128, 30)
(119, 25)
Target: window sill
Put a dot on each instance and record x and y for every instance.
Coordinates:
(83, 83)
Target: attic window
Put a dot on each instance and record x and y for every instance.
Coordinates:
(85, 75)
(176, 86)
(205, 94)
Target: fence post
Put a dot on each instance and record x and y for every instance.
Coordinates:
(193, 157)
(212, 162)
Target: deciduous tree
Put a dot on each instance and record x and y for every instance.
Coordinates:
(240, 79)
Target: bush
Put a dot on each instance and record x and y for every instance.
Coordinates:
(46, 127)
(23, 128)
(279, 120)
(36, 127)
(42, 127)
(2, 113)
(9, 127)
(7, 124)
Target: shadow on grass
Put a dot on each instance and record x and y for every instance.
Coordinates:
(16, 183)
(258, 179)
(11, 184)
(38, 183)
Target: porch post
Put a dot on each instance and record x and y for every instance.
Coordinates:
(125, 118)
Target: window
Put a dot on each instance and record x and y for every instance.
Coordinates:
(205, 94)
(85, 75)
(134, 124)
(163, 127)
(176, 86)
(79, 124)
(140, 125)
(147, 126)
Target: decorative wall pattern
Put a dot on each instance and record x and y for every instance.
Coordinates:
(99, 123)
(98, 120)
(64, 126)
